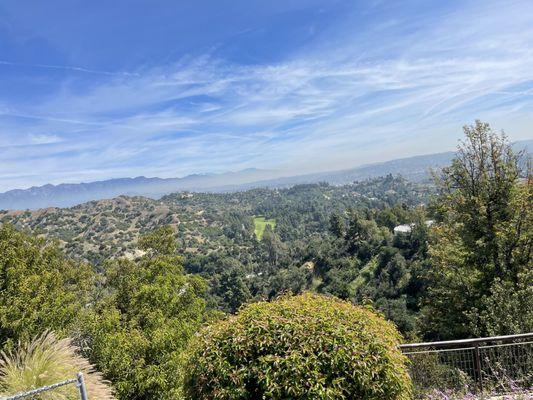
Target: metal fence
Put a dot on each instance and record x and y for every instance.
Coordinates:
(497, 364)
(493, 364)
(78, 381)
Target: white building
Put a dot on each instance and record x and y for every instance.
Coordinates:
(403, 228)
(407, 228)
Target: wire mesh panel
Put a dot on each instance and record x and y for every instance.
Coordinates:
(442, 369)
(499, 364)
(507, 364)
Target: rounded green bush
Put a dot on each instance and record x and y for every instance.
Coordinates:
(303, 347)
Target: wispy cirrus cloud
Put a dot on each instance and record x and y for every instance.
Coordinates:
(404, 88)
(44, 138)
(65, 68)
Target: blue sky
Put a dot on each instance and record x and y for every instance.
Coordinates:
(92, 90)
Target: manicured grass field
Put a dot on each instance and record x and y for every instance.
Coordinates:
(260, 223)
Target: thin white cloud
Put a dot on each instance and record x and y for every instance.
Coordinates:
(323, 109)
(67, 68)
(44, 139)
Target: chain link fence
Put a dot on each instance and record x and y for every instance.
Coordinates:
(499, 364)
(78, 381)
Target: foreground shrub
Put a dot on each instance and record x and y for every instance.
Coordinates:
(138, 331)
(45, 361)
(39, 287)
(308, 346)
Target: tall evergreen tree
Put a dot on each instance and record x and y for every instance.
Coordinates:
(483, 235)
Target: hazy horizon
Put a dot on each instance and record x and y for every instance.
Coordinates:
(275, 172)
(96, 91)
(268, 174)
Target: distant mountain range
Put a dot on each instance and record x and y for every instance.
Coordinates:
(67, 194)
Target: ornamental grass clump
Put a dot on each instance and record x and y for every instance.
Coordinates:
(303, 347)
(44, 361)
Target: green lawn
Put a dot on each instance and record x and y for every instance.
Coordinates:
(260, 223)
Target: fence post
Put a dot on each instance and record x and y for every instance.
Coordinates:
(477, 364)
(81, 386)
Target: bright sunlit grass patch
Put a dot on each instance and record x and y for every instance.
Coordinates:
(260, 224)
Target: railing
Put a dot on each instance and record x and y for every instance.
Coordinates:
(493, 364)
(497, 364)
(78, 381)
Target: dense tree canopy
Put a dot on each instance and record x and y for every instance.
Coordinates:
(146, 315)
(39, 287)
(483, 240)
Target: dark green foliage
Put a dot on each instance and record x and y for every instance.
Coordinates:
(233, 289)
(483, 240)
(336, 225)
(146, 315)
(508, 308)
(303, 347)
(371, 265)
(160, 242)
(39, 288)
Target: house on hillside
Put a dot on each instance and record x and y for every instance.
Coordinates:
(407, 228)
